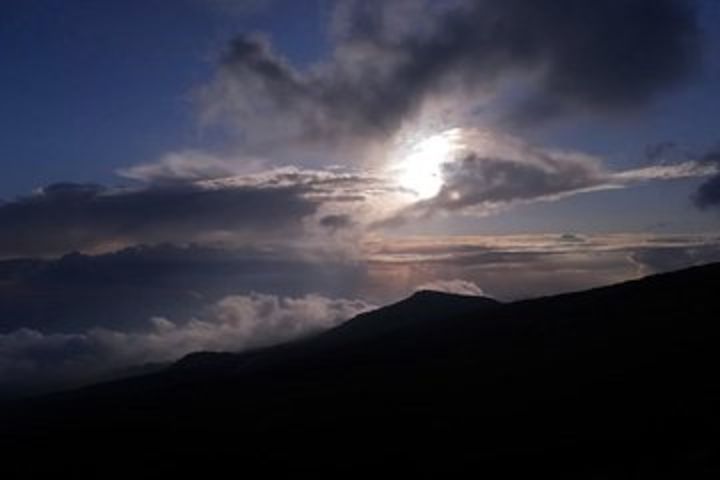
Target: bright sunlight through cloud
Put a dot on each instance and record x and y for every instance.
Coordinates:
(419, 165)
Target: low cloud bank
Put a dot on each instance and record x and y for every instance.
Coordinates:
(30, 357)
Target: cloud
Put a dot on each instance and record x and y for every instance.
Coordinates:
(457, 286)
(708, 195)
(180, 167)
(675, 161)
(182, 201)
(58, 347)
(674, 257)
(685, 169)
(336, 222)
(487, 180)
(572, 238)
(391, 59)
(66, 217)
(392, 62)
(121, 290)
(234, 323)
(511, 267)
(489, 172)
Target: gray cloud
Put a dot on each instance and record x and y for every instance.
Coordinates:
(193, 302)
(336, 222)
(513, 267)
(391, 57)
(475, 180)
(708, 195)
(671, 155)
(66, 217)
(235, 323)
(492, 172)
(572, 238)
(121, 290)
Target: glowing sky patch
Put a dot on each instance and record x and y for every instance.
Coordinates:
(419, 168)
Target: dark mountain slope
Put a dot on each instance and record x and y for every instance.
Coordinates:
(618, 382)
(363, 336)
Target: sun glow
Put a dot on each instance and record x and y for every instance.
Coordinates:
(419, 168)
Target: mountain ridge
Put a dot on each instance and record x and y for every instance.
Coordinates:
(605, 383)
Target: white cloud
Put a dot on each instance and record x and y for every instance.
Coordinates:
(457, 286)
(689, 169)
(180, 167)
(234, 324)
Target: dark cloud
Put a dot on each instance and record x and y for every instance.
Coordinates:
(67, 217)
(491, 172)
(476, 180)
(508, 173)
(708, 195)
(571, 238)
(605, 55)
(336, 222)
(390, 57)
(122, 290)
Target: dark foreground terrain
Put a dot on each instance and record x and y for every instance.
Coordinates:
(618, 382)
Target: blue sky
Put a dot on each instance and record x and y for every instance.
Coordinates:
(90, 87)
(218, 174)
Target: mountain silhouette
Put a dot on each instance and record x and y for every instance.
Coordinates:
(615, 382)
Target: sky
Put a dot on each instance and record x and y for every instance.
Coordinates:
(219, 174)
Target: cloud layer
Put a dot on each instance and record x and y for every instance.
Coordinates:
(708, 195)
(235, 323)
(66, 217)
(513, 267)
(58, 348)
(488, 172)
(392, 59)
(305, 238)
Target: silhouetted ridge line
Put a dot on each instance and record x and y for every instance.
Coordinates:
(614, 382)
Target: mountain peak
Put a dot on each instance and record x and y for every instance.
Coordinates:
(422, 307)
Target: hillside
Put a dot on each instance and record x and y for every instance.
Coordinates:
(616, 382)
